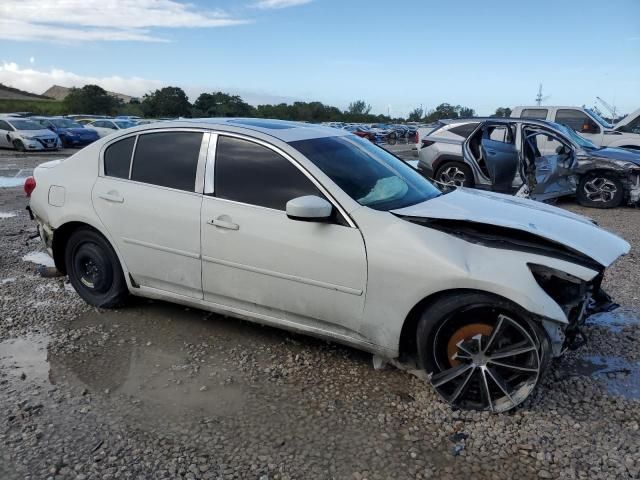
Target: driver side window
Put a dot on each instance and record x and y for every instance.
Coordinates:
(251, 173)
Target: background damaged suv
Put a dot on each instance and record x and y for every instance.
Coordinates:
(316, 230)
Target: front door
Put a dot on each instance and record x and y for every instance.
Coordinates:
(500, 155)
(255, 258)
(152, 210)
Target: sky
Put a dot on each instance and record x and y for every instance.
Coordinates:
(394, 55)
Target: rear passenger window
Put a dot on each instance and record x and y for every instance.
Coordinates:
(534, 113)
(464, 130)
(117, 158)
(167, 159)
(250, 173)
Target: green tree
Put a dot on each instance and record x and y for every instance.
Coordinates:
(446, 110)
(91, 99)
(416, 114)
(502, 112)
(221, 104)
(166, 102)
(359, 107)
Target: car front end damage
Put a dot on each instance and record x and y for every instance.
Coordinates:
(622, 163)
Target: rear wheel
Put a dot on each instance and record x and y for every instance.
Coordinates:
(18, 145)
(600, 190)
(456, 174)
(94, 269)
(481, 351)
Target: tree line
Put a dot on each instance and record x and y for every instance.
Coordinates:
(171, 102)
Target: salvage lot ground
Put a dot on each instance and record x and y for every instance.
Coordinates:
(155, 390)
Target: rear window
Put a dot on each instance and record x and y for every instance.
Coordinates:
(167, 159)
(117, 158)
(464, 130)
(535, 113)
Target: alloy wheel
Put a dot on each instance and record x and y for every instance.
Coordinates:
(600, 189)
(494, 369)
(453, 176)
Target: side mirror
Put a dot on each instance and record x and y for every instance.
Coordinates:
(309, 208)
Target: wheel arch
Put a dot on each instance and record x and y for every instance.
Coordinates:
(407, 347)
(61, 236)
(445, 158)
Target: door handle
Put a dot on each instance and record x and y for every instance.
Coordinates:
(112, 196)
(218, 222)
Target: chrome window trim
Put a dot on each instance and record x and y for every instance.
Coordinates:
(202, 159)
(133, 152)
(296, 164)
(210, 165)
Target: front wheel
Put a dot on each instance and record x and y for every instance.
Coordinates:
(481, 352)
(94, 269)
(600, 190)
(19, 146)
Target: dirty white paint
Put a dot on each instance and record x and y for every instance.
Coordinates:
(39, 258)
(7, 215)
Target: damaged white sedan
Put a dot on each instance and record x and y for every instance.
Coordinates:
(315, 230)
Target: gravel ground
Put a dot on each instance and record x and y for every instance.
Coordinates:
(155, 390)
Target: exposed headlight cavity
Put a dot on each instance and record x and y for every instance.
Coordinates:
(568, 291)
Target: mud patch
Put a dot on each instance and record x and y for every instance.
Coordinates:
(618, 376)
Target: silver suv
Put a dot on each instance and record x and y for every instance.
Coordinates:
(24, 134)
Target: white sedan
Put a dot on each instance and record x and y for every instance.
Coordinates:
(315, 230)
(106, 127)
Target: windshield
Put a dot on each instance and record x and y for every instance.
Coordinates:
(65, 123)
(125, 124)
(367, 173)
(26, 125)
(574, 137)
(599, 119)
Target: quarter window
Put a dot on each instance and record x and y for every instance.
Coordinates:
(117, 158)
(534, 113)
(577, 120)
(4, 126)
(167, 159)
(251, 173)
(464, 130)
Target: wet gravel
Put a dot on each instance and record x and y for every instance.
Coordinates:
(156, 390)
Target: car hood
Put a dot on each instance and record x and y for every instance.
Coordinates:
(619, 154)
(77, 131)
(628, 119)
(574, 232)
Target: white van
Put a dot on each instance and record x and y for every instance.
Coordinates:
(625, 134)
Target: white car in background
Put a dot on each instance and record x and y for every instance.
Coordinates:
(625, 134)
(24, 135)
(316, 230)
(106, 127)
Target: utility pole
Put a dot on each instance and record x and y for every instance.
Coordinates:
(539, 96)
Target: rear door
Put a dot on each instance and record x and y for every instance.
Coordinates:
(500, 154)
(147, 196)
(255, 258)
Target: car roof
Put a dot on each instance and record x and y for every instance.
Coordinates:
(534, 121)
(284, 130)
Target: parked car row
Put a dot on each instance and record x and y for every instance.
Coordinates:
(379, 132)
(36, 133)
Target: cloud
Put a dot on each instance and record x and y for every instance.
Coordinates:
(100, 20)
(37, 81)
(275, 4)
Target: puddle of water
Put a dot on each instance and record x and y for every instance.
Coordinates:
(39, 258)
(14, 177)
(26, 356)
(614, 321)
(619, 376)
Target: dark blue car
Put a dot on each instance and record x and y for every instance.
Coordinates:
(71, 134)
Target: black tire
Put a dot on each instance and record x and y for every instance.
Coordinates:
(444, 170)
(468, 319)
(392, 139)
(19, 146)
(94, 269)
(600, 190)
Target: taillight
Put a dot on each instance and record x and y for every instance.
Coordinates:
(29, 186)
(427, 143)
